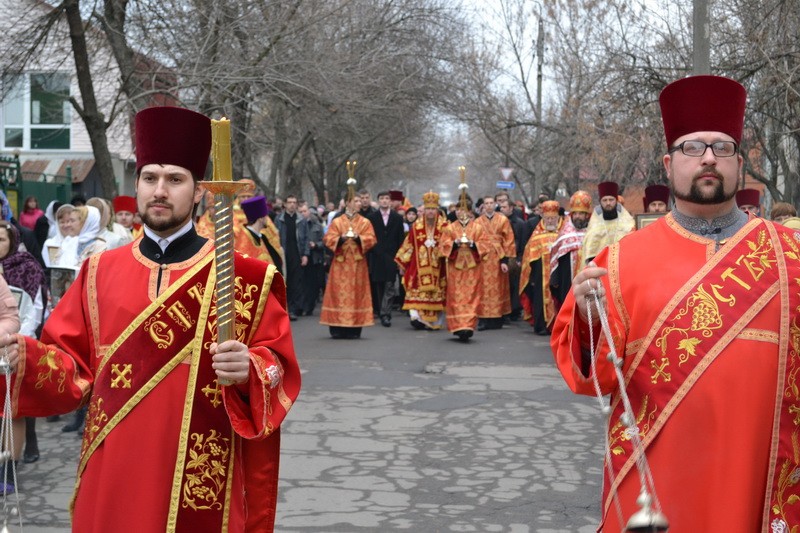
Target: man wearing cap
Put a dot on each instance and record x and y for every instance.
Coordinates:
(250, 240)
(535, 274)
(495, 299)
(702, 309)
(565, 253)
(182, 433)
(656, 199)
(749, 201)
(124, 212)
(610, 222)
(422, 267)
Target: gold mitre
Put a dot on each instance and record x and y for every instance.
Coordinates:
(580, 202)
(550, 207)
(430, 199)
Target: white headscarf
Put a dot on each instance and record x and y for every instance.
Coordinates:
(90, 229)
(52, 229)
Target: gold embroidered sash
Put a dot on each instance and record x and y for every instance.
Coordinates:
(781, 507)
(695, 326)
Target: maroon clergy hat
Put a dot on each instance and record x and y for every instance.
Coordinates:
(702, 103)
(748, 197)
(396, 196)
(173, 136)
(255, 208)
(124, 203)
(656, 193)
(607, 188)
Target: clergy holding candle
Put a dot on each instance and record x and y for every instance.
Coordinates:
(167, 446)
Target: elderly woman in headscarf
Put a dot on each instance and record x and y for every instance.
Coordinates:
(76, 249)
(26, 277)
(66, 225)
(112, 239)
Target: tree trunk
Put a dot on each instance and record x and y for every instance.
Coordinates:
(90, 113)
(113, 22)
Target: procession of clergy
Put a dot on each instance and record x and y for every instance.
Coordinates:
(472, 268)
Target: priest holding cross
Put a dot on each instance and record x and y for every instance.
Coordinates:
(183, 353)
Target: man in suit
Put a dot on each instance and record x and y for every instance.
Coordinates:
(293, 241)
(388, 226)
(314, 252)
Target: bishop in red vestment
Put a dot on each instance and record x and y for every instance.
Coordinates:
(703, 315)
(423, 268)
(167, 447)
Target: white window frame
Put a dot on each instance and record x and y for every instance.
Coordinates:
(27, 126)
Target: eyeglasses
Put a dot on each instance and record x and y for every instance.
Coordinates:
(698, 148)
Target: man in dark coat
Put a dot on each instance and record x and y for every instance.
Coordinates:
(314, 269)
(388, 226)
(293, 241)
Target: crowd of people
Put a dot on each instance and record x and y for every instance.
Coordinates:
(697, 285)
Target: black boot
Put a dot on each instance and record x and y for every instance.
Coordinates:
(77, 423)
(31, 442)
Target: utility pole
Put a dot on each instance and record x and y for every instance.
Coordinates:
(701, 46)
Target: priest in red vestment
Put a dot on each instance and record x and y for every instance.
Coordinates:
(346, 305)
(565, 254)
(500, 247)
(464, 248)
(182, 432)
(534, 286)
(703, 314)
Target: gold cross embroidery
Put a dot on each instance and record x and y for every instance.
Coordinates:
(660, 370)
(122, 375)
(214, 392)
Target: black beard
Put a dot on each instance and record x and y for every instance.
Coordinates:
(610, 215)
(719, 196)
(580, 224)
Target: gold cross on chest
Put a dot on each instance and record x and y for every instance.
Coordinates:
(214, 393)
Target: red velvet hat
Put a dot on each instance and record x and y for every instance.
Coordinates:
(748, 197)
(655, 193)
(607, 188)
(255, 208)
(702, 103)
(396, 196)
(124, 203)
(173, 136)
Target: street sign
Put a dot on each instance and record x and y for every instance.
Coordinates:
(506, 172)
(505, 185)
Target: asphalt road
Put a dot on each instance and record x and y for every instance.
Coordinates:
(404, 430)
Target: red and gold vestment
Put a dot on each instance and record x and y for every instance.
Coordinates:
(710, 345)
(425, 276)
(463, 273)
(495, 300)
(347, 301)
(131, 337)
(538, 249)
